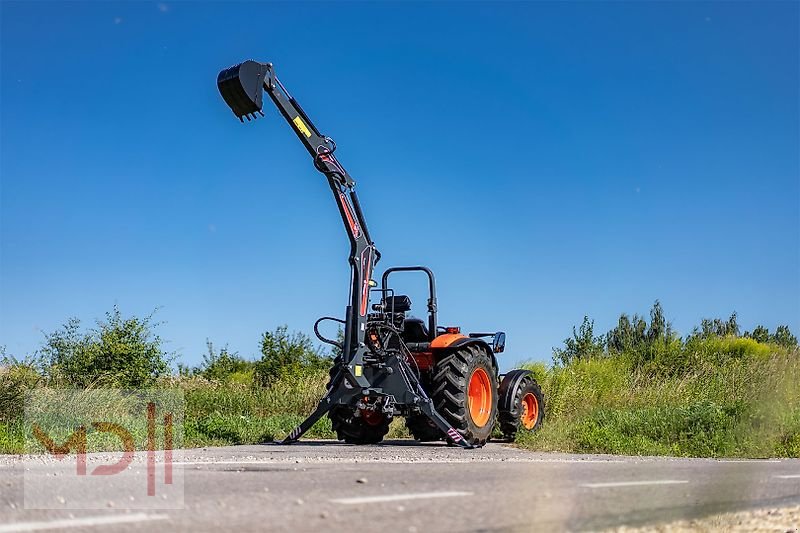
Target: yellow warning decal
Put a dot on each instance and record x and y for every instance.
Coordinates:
(358, 371)
(302, 126)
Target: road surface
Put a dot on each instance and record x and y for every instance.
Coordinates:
(397, 486)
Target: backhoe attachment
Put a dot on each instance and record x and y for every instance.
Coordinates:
(241, 87)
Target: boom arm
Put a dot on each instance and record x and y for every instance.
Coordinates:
(241, 87)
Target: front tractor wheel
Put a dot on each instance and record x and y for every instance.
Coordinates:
(465, 392)
(521, 404)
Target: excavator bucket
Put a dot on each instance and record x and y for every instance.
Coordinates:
(241, 88)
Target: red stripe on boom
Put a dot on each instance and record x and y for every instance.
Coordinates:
(366, 268)
(351, 221)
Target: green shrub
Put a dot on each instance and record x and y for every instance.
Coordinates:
(717, 327)
(224, 365)
(783, 337)
(718, 350)
(16, 378)
(285, 355)
(538, 368)
(582, 346)
(120, 352)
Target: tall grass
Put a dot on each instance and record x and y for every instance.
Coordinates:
(731, 397)
(710, 397)
(223, 413)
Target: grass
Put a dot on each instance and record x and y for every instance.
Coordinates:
(720, 398)
(11, 437)
(745, 403)
(216, 414)
(237, 413)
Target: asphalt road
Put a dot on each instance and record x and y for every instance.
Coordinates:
(396, 486)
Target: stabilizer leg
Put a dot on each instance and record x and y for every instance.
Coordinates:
(451, 432)
(330, 399)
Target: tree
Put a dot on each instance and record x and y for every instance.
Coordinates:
(660, 330)
(221, 365)
(629, 335)
(119, 352)
(717, 327)
(287, 355)
(784, 337)
(583, 345)
(641, 341)
(759, 334)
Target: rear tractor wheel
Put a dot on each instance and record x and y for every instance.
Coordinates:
(521, 404)
(358, 426)
(465, 392)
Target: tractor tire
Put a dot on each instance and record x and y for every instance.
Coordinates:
(362, 429)
(521, 404)
(422, 429)
(465, 392)
(367, 428)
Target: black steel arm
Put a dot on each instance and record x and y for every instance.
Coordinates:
(241, 87)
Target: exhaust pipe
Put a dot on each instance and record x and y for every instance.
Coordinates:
(241, 86)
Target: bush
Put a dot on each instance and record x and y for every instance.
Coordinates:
(582, 346)
(285, 355)
(643, 343)
(15, 381)
(224, 365)
(717, 327)
(783, 337)
(120, 352)
(759, 334)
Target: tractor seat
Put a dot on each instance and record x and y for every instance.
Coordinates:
(414, 330)
(397, 304)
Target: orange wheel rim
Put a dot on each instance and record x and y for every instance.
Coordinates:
(372, 417)
(530, 411)
(479, 394)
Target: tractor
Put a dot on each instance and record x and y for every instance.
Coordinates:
(444, 382)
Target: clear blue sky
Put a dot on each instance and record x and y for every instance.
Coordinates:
(547, 160)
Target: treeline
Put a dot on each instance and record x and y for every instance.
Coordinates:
(656, 346)
(126, 352)
(229, 399)
(643, 389)
(640, 388)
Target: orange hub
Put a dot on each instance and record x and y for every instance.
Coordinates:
(479, 394)
(530, 411)
(372, 417)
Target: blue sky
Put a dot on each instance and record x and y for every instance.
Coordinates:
(547, 160)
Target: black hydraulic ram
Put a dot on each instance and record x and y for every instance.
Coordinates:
(241, 87)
